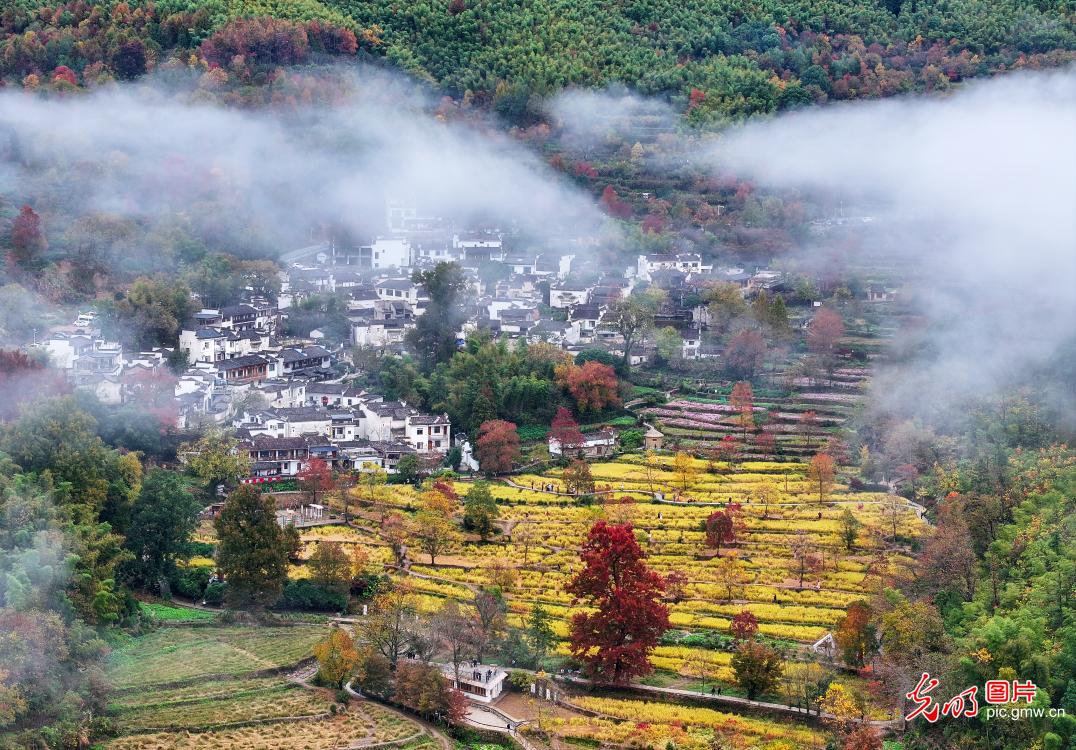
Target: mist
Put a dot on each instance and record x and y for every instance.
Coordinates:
(147, 150)
(978, 196)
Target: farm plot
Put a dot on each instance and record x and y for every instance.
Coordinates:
(177, 698)
(178, 654)
(362, 725)
(646, 724)
(789, 562)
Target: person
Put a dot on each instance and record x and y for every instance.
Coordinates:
(713, 690)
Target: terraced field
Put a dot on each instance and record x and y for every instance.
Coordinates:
(178, 654)
(780, 521)
(195, 688)
(700, 423)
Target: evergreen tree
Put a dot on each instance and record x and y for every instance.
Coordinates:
(253, 549)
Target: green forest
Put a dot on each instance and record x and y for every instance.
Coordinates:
(715, 61)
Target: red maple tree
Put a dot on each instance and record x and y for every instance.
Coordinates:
(593, 385)
(720, 530)
(497, 447)
(27, 241)
(744, 626)
(565, 430)
(314, 477)
(825, 330)
(614, 641)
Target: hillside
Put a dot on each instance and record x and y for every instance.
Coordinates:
(716, 61)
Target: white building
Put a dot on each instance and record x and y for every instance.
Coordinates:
(565, 296)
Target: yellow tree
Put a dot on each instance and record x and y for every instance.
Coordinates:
(685, 470)
(433, 533)
(765, 493)
(727, 573)
(336, 657)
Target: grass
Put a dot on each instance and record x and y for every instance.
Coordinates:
(237, 712)
(172, 613)
(177, 654)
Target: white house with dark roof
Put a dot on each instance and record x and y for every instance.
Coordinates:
(399, 289)
(307, 360)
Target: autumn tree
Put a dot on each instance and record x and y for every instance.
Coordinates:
(742, 400)
(480, 510)
(315, 477)
(488, 621)
(808, 424)
(389, 627)
(615, 640)
(948, 560)
(724, 304)
(336, 657)
(669, 344)
(821, 473)
(593, 385)
(394, 530)
(497, 447)
(215, 458)
(893, 509)
(757, 667)
(745, 353)
(27, 240)
(675, 586)
(743, 626)
(524, 534)
(857, 634)
(802, 549)
(720, 530)
(577, 478)
(824, 332)
(433, 533)
(253, 550)
(728, 574)
(452, 628)
(565, 430)
(632, 317)
(426, 691)
(685, 471)
(441, 499)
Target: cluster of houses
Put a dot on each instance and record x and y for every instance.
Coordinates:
(288, 399)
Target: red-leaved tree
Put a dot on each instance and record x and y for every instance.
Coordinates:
(497, 447)
(593, 385)
(614, 641)
(27, 241)
(742, 400)
(825, 331)
(565, 430)
(314, 478)
(720, 530)
(744, 626)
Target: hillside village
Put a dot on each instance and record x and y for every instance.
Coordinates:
(290, 397)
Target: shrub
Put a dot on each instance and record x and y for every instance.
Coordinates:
(309, 596)
(190, 583)
(214, 594)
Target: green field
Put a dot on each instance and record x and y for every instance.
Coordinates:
(172, 613)
(195, 688)
(176, 654)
